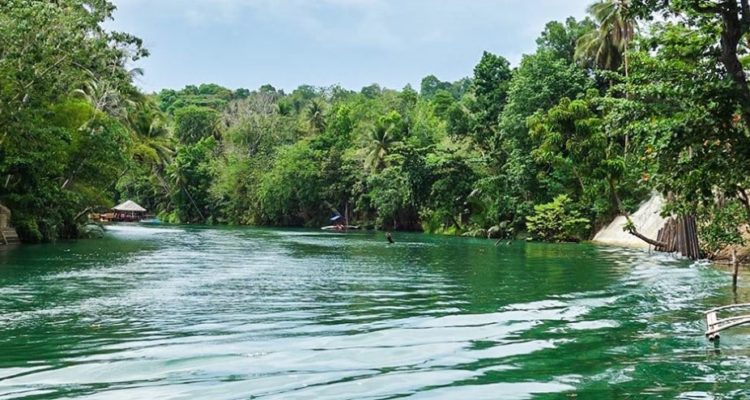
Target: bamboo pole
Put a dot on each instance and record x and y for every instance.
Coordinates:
(694, 246)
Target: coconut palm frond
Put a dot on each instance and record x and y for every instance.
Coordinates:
(606, 46)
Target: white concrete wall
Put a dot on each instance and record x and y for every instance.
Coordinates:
(647, 220)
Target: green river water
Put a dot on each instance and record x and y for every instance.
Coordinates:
(229, 313)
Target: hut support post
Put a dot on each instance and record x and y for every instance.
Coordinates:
(711, 322)
(736, 271)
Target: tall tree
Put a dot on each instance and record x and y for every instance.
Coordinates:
(316, 117)
(381, 139)
(686, 116)
(607, 46)
(728, 22)
(431, 85)
(539, 83)
(491, 83)
(561, 38)
(194, 123)
(152, 135)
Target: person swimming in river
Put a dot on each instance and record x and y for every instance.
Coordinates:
(389, 238)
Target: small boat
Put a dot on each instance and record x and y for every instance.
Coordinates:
(341, 222)
(341, 228)
(150, 221)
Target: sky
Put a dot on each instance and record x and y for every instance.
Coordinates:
(353, 43)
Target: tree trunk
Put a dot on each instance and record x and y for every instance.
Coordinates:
(735, 21)
(203, 219)
(70, 178)
(627, 96)
(633, 230)
(456, 223)
(580, 180)
(615, 196)
(80, 214)
(652, 242)
(745, 200)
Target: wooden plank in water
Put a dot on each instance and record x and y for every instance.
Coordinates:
(724, 321)
(717, 309)
(720, 326)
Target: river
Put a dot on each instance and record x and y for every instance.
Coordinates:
(238, 313)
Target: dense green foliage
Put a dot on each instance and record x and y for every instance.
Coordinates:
(557, 221)
(64, 91)
(599, 116)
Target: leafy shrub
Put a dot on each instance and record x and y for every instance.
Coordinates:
(28, 230)
(720, 227)
(557, 222)
(430, 220)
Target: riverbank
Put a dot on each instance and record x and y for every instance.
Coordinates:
(739, 254)
(648, 221)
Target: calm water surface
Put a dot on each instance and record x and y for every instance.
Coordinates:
(188, 313)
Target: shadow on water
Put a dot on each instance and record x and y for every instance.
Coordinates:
(282, 314)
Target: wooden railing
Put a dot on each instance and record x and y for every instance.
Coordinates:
(715, 325)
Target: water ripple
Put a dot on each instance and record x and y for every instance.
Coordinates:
(191, 313)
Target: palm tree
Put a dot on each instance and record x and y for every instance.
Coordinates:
(150, 131)
(153, 147)
(380, 141)
(105, 96)
(316, 117)
(181, 181)
(607, 45)
(594, 49)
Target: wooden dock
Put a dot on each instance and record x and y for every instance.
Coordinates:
(9, 236)
(714, 325)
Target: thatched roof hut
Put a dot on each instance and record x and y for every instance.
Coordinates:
(128, 211)
(129, 207)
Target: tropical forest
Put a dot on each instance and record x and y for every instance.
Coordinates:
(570, 217)
(640, 97)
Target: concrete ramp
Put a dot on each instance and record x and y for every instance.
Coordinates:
(647, 220)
